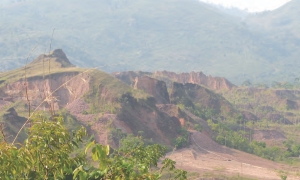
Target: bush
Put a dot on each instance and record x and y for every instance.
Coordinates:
(46, 154)
(198, 127)
(182, 140)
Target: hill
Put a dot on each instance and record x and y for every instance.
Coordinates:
(283, 18)
(281, 28)
(184, 114)
(173, 35)
(91, 97)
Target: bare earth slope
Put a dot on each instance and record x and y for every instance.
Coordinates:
(99, 101)
(207, 157)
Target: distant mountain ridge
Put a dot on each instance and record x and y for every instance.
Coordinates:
(176, 35)
(285, 17)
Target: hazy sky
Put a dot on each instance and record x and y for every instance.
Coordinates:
(251, 5)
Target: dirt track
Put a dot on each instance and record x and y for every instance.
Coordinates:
(204, 155)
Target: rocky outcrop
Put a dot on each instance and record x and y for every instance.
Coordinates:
(129, 76)
(215, 83)
(186, 118)
(57, 55)
(156, 88)
(174, 111)
(192, 94)
(144, 116)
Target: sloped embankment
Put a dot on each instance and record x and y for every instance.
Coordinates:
(97, 100)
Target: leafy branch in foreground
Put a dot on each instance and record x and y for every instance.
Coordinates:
(45, 154)
(133, 160)
(49, 153)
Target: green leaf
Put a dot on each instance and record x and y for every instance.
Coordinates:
(76, 171)
(107, 150)
(88, 146)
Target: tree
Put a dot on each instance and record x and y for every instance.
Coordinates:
(52, 152)
(45, 154)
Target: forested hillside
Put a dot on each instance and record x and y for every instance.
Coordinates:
(173, 35)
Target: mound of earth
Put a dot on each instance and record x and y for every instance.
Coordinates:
(192, 94)
(129, 76)
(57, 55)
(154, 87)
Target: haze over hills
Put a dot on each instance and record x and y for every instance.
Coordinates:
(284, 17)
(233, 11)
(282, 27)
(172, 35)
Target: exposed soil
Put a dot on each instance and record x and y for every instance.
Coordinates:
(38, 89)
(97, 124)
(205, 155)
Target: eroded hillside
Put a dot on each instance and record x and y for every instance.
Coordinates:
(208, 117)
(97, 100)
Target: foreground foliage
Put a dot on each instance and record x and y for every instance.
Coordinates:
(52, 152)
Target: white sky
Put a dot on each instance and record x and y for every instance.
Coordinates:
(250, 5)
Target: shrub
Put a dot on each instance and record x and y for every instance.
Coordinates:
(49, 153)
